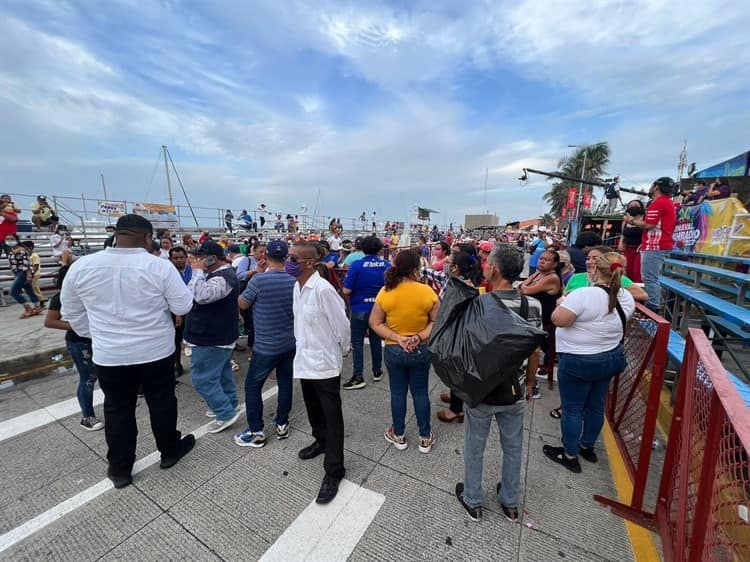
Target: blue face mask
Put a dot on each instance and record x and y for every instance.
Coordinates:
(292, 268)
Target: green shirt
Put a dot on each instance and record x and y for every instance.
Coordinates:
(582, 280)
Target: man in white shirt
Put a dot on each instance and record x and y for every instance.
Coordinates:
(122, 299)
(335, 242)
(321, 330)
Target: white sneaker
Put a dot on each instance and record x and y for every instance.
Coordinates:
(235, 366)
(188, 351)
(220, 425)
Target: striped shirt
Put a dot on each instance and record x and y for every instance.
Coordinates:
(270, 295)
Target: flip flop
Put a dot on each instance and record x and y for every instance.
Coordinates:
(556, 413)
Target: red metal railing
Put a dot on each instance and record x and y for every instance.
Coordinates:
(633, 403)
(704, 492)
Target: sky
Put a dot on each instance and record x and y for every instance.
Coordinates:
(363, 106)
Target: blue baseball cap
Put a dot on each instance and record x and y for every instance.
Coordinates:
(277, 250)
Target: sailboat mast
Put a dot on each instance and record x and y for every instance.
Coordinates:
(166, 170)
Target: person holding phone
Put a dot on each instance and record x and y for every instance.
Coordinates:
(211, 330)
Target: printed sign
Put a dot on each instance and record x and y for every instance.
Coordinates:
(160, 216)
(112, 208)
(706, 228)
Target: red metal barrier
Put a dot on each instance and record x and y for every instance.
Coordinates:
(633, 403)
(704, 492)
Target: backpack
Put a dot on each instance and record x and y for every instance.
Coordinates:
(510, 391)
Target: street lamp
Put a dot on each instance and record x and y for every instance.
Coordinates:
(583, 177)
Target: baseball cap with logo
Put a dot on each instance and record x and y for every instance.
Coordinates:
(277, 250)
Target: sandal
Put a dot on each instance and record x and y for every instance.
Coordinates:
(556, 413)
(26, 314)
(449, 416)
(445, 397)
(557, 454)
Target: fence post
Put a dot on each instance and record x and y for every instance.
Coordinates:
(85, 213)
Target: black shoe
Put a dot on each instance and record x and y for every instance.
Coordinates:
(311, 451)
(328, 489)
(511, 513)
(558, 455)
(474, 513)
(186, 445)
(119, 480)
(377, 376)
(354, 383)
(587, 454)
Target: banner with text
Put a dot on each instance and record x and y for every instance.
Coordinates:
(112, 208)
(161, 216)
(706, 228)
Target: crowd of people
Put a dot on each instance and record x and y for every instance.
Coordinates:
(130, 312)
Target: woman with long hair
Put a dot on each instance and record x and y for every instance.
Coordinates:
(439, 255)
(403, 315)
(19, 260)
(545, 285)
(590, 328)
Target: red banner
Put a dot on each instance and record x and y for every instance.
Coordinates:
(587, 199)
(572, 197)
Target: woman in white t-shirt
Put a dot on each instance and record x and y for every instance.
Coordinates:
(590, 328)
(61, 245)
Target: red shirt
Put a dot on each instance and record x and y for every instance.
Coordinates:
(8, 226)
(660, 212)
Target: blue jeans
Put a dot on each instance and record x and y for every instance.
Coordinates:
(584, 382)
(359, 325)
(80, 352)
(211, 374)
(651, 262)
(409, 371)
(477, 427)
(257, 372)
(22, 283)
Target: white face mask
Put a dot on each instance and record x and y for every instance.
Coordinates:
(11, 243)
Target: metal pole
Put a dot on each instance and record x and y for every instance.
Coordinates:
(580, 190)
(85, 213)
(166, 170)
(106, 199)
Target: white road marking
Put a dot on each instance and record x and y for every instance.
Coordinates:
(43, 416)
(328, 532)
(55, 513)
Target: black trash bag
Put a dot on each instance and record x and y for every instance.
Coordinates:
(477, 342)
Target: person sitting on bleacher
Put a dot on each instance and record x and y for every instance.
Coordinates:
(60, 241)
(8, 221)
(43, 215)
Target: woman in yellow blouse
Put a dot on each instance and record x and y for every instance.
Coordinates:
(403, 315)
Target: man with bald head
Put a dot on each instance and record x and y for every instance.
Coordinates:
(122, 298)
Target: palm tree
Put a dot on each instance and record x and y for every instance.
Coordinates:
(546, 220)
(597, 159)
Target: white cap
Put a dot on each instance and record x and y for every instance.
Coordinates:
(542, 229)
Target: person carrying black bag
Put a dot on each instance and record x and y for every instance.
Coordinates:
(505, 403)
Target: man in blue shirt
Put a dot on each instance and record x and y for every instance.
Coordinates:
(363, 281)
(270, 296)
(356, 255)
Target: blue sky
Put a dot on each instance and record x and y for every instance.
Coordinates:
(374, 105)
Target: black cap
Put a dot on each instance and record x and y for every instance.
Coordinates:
(234, 248)
(665, 184)
(134, 222)
(209, 248)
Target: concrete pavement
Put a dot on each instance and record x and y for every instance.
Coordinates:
(223, 502)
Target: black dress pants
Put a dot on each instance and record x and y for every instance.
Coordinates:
(323, 404)
(120, 387)
(178, 333)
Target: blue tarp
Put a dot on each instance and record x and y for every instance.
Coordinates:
(737, 166)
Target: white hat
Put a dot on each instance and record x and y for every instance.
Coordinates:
(542, 229)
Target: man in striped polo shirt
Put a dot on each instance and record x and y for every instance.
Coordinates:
(269, 296)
